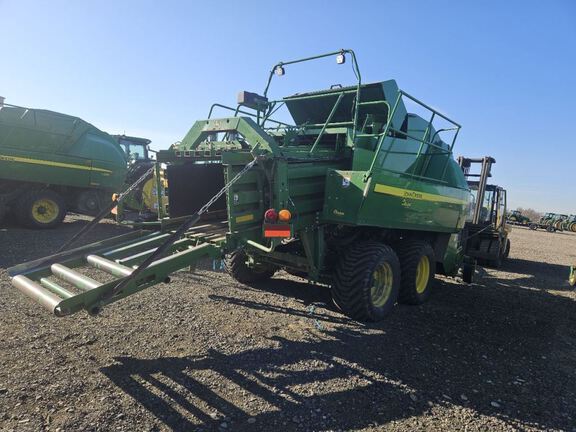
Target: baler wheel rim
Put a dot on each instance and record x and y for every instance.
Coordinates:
(422, 274)
(418, 264)
(40, 209)
(45, 210)
(382, 284)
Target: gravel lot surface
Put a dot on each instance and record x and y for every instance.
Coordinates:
(207, 353)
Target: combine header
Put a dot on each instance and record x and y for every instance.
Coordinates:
(356, 193)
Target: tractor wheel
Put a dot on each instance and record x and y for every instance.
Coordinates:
(367, 281)
(3, 211)
(496, 262)
(236, 265)
(42, 209)
(550, 229)
(507, 248)
(533, 227)
(468, 271)
(418, 266)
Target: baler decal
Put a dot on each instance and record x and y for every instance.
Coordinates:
(417, 195)
(51, 163)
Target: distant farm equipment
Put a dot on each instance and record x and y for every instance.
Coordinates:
(515, 217)
(550, 222)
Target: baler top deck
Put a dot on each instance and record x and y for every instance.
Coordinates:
(351, 153)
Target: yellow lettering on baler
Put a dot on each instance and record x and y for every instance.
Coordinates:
(416, 195)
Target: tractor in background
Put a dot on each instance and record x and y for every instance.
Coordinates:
(486, 229)
(515, 217)
(551, 222)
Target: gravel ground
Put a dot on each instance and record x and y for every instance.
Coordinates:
(206, 353)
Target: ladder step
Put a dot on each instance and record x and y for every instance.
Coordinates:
(55, 288)
(80, 281)
(30, 288)
(108, 266)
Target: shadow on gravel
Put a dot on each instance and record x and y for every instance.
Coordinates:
(470, 346)
(536, 274)
(311, 312)
(41, 243)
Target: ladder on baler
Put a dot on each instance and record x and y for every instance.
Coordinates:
(86, 278)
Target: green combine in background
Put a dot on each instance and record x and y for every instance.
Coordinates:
(52, 163)
(355, 193)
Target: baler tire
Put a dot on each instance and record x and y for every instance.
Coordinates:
(30, 203)
(235, 264)
(416, 257)
(355, 290)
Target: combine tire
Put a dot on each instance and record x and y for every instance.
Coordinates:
(235, 264)
(418, 266)
(89, 203)
(367, 281)
(41, 209)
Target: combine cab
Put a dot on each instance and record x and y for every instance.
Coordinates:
(355, 193)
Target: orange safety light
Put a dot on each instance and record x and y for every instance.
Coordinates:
(284, 215)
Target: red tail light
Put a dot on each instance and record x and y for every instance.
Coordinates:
(271, 215)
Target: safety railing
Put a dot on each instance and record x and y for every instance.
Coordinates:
(389, 130)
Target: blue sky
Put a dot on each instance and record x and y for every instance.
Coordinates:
(506, 71)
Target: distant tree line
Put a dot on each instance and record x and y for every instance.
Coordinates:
(531, 213)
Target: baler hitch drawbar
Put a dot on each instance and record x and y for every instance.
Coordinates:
(158, 254)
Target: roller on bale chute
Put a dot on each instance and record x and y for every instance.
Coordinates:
(355, 193)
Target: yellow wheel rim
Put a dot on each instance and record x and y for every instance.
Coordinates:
(382, 283)
(422, 274)
(45, 210)
(572, 279)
